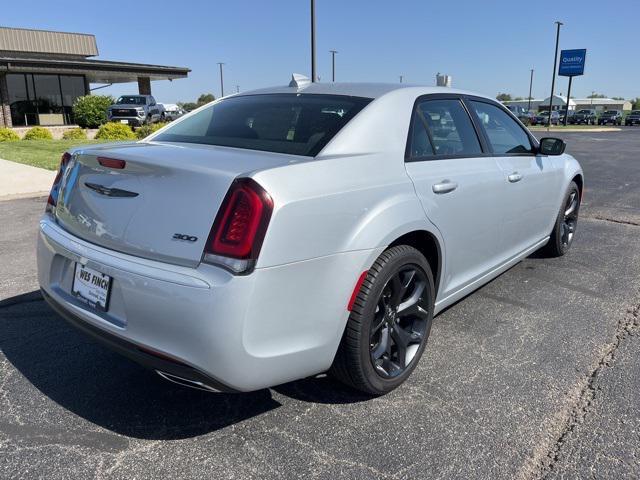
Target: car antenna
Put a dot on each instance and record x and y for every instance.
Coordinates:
(298, 81)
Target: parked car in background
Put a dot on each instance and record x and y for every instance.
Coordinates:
(588, 117)
(136, 110)
(542, 118)
(633, 118)
(614, 117)
(285, 232)
(522, 113)
(172, 111)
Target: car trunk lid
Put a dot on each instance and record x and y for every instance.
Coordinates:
(161, 205)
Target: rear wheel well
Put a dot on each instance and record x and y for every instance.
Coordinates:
(426, 244)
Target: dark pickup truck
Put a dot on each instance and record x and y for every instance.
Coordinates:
(614, 117)
(633, 118)
(588, 117)
(136, 110)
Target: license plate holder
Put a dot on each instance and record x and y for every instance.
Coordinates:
(91, 287)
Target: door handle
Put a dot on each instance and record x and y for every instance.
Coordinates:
(514, 177)
(445, 186)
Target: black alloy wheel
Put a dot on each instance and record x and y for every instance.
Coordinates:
(566, 224)
(389, 324)
(400, 322)
(570, 218)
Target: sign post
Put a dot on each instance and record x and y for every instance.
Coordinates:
(571, 65)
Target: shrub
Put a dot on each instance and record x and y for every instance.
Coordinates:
(146, 130)
(8, 135)
(115, 131)
(90, 111)
(74, 134)
(38, 133)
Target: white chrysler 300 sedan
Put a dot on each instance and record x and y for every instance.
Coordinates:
(277, 234)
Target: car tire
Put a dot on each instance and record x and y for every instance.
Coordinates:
(371, 356)
(566, 223)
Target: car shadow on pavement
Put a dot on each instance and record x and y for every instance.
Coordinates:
(321, 389)
(104, 388)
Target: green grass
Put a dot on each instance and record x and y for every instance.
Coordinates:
(39, 153)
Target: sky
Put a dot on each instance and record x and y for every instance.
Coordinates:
(487, 46)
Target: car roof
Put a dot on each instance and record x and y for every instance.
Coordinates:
(366, 90)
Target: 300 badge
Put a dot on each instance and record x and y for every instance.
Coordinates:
(185, 238)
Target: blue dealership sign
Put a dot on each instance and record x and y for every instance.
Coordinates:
(572, 62)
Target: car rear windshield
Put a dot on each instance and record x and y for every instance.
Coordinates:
(297, 124)
(635, 112)
(131, 100)
(610, 112)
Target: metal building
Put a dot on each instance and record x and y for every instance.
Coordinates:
(43, 72)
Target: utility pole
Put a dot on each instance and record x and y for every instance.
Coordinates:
(555, 66)
(333, 65)
(221, 80)
(530, 87)
(401, 77)
(314, 78)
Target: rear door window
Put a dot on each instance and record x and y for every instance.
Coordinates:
(442, 127)
(295, 124)
(504, 134)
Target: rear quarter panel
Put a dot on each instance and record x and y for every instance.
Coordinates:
(354, 195)
(337, 205)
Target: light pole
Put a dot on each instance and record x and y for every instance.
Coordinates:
(221, 80)
(333, 65)
(314, 78)
(530, 87)
(555, 65)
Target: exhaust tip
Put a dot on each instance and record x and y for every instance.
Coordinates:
(185, 382)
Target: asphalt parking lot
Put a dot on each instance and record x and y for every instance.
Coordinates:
(535, 375)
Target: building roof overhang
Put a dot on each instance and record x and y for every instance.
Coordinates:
(96, 71)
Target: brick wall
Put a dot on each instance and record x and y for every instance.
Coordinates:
(5, 111)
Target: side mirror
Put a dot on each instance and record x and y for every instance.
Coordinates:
(552, 146)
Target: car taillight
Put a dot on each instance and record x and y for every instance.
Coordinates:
(240, 226)
(55, 188)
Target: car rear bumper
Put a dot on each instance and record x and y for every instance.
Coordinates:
(231, 333)
(161, 363)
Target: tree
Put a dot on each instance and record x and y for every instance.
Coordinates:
(618, 98)
(635, 103)
(518, 99)
(188, 106)
(503, 97)
(597, 95)
(205, 98)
